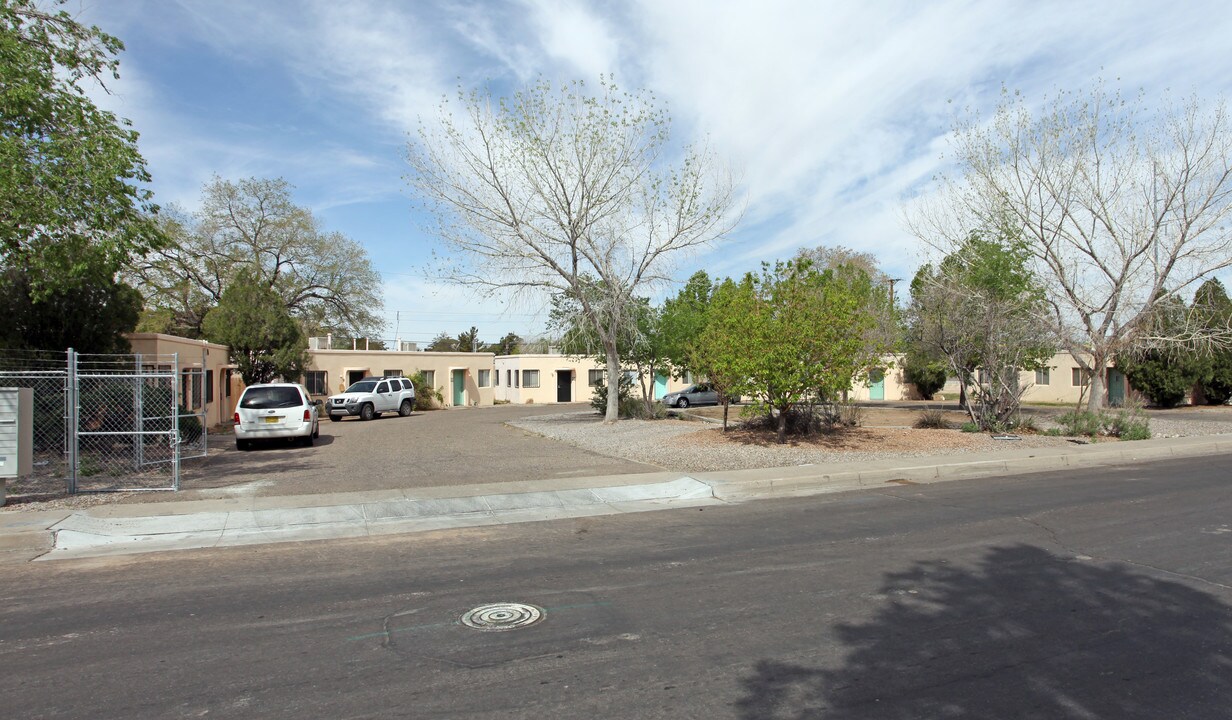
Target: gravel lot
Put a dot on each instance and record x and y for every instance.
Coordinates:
(696, 446)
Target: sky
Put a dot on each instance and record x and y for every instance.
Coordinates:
(833, 114)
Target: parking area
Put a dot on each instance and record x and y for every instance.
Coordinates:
(445, 447)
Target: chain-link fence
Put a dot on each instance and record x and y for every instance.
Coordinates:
(108, 422)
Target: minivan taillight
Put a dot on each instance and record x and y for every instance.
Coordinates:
(237, 418)
(307, 414)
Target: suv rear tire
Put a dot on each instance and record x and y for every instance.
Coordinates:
(405, 408)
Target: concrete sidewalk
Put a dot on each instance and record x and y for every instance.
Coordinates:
(177, 525)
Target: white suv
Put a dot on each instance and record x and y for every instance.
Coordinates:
(372, 396)
(275, 410)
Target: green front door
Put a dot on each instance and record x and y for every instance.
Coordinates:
(1116, 387)
(459, 387)
(660, 388)
(876, 385)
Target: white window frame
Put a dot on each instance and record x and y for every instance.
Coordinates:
(594, 378)
(485, 378)
(526, 378)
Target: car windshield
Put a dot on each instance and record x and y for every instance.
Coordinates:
(362, 386)
(264, 398)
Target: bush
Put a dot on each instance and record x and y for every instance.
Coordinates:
(1165, 378)
(969, 427)
(1026, 423)
(426, 398)
(1081, 422)
(636, 408)
(1217, 379)
(1053, 432)
(932, 419)
(927, 376)
(1128, 425)
(624, 391)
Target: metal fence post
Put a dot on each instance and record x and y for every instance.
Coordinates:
(138, 415)
(70, 429)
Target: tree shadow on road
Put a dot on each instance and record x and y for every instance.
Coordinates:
(1025, 634)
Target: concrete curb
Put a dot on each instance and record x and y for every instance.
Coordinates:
(85, 535)
(144, 527)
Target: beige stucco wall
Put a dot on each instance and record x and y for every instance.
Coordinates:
(549, 366)
(1059, 386)
(191, 354)
(337, 364)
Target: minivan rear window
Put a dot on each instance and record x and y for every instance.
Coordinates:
(264, 398)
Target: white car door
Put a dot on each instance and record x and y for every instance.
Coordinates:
(386, 398)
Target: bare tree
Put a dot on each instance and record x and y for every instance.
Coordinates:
(557, 190)
(325, 279)
(1122, 206)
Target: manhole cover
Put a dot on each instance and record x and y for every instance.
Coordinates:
(502, 616)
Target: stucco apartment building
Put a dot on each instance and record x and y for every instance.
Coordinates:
(481, 379)
(463, 379)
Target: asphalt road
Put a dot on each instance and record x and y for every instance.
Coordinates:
(1101, 595)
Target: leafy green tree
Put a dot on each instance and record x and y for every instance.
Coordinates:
(265, 341)
(71, 178)
(324, 279)
(983, 308)
(927, 374)
(469, 340)
(1164, 377)
(443, 342)
(1214, 309)
(683, 320)
(89, 316)
(507, 345)
(792, 335)
(714, 351)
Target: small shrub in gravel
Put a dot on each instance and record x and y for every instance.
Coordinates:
(1081, 422)
(1026, 423)
(1128, 425)
(969, 427)
(931, 419)
(1053, 432)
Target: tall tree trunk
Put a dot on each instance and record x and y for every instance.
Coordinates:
(1099, 371)
(613, 383)
(726, 404)
(782, 434)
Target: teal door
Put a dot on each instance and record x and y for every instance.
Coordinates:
(660, 386)
(876, 385)
(1116, 387)
(459, 387)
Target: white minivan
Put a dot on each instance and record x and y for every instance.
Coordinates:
(273, 411)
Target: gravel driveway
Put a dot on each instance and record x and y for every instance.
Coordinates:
(696, 446)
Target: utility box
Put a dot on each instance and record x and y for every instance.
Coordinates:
(16, 434)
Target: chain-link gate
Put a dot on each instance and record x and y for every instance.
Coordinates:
(106, 423)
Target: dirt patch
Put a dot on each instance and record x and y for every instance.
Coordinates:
(861, 439)
(871, 417)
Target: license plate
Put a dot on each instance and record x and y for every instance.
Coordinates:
(273, 419)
